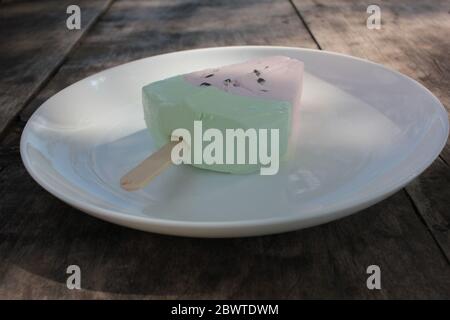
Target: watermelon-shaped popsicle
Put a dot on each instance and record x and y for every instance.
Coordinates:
(260, 94)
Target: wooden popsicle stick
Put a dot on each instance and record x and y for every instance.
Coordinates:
(148, 169)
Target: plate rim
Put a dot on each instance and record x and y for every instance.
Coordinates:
(198, 228)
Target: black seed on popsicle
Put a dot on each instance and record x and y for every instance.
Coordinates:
(257, 72)
(235, 84)
(227, 81)
(209, 75)
(266, 67)
(261, 80)
(205, 84)
(264, 90)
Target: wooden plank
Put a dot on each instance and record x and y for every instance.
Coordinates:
(35, 41)
(323, 262)
(430, 194)
(414, 40)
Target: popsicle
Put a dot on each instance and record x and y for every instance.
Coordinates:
(262, 94)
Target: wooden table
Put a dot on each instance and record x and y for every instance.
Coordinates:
(407, 235)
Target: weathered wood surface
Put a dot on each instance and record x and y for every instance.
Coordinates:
(34, 42)
(414, 39)
(40, 236)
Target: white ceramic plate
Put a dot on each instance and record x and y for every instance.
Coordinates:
(365, 131)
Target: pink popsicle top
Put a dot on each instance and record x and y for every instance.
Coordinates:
(275, 77)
